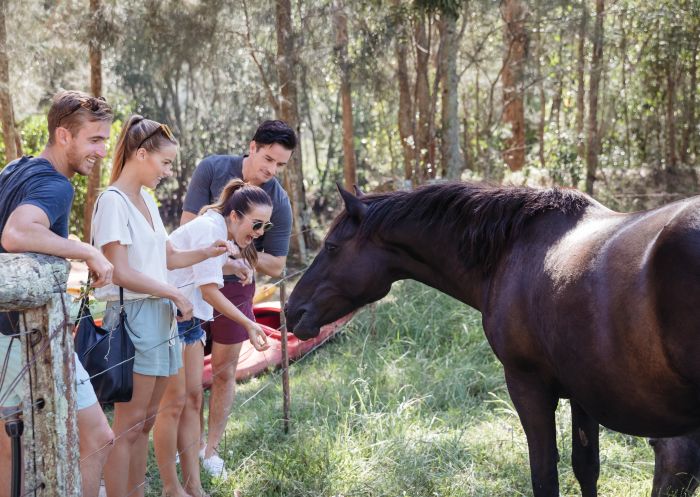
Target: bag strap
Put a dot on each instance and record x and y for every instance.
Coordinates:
(85, 301)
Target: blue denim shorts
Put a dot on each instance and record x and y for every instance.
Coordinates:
(191, 331)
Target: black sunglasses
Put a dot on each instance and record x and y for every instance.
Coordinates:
(162, 128)
(256, 224)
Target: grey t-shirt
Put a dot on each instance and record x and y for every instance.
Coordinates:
(210, 177)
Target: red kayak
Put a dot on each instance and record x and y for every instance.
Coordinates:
(252, 363)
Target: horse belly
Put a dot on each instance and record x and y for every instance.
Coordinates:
(605, 354)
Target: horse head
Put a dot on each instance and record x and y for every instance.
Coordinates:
(349, 272)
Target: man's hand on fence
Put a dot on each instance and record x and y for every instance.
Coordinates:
(100, 267)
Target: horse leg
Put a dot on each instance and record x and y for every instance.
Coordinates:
(585, 457)
(536, 406)
(676, 465)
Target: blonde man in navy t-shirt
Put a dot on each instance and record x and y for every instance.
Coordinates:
(35, 201)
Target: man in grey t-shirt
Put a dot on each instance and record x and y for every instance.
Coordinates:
(271, 147)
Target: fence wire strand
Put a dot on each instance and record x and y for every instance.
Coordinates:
(274, 375)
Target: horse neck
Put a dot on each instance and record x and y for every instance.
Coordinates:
(433, 259)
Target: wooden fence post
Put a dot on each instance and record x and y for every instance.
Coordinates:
(286, 395)
(35, 285)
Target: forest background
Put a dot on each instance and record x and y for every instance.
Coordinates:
(598, 95)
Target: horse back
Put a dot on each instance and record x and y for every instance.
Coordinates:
(606, 311)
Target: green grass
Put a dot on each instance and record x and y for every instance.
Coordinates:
(408, 400)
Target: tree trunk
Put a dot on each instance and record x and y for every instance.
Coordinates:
(540, 87)
(477, 130)
(555, 109)
(625, 104)
(690, 124)
(340, 19)
(516, 40)
(292, 177)
(405, 111)
(95, 52)
(9, 132)
(671, 156)
(452, 159)
(422, 91)
(581, 82)
(593, 145)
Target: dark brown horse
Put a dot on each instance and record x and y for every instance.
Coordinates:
(578, 302)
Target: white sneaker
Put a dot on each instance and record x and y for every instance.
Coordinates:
(214, 465)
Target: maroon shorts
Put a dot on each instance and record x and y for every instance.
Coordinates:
(228, 332)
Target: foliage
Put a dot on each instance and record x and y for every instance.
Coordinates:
(207, 67)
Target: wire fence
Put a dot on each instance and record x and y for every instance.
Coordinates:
(273, 377)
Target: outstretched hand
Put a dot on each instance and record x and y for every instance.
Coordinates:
(220, 247)
(258, 338)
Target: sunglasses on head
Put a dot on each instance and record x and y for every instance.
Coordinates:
(163, 128)
(89, 103)
(257, 225)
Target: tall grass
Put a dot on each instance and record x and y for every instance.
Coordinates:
(408, 401)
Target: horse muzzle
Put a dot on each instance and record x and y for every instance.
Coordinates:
(300, 322)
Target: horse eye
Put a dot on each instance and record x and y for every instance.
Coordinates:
(330, 247)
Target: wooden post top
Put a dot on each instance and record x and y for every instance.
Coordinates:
(28, 280)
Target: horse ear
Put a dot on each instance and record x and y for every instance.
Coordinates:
(353, 205)
(358, 193)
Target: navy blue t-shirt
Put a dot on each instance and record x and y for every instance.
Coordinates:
(34, 181)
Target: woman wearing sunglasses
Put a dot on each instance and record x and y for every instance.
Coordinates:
(128, 229)
(241, 214)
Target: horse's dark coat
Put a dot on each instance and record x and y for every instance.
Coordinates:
(577, 302)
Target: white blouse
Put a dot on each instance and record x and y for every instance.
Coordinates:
(202, 231)
(117, 219)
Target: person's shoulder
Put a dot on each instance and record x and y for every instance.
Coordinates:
(206, 227)
(217, 161)
(211, 220)
(38, 175)
(35, 167)
(112, 197)
(275, 190)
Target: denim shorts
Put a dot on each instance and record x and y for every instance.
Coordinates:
(191, 331)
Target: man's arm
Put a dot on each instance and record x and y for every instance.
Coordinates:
(187, 217)
(271, 265)
(27, 230)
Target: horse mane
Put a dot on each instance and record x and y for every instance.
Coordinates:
(484, 218)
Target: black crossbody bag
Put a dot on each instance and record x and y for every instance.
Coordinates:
(107, 355)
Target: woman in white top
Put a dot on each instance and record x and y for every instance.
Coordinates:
(241, 214)
(128, 229)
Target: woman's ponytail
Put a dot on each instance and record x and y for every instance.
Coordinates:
(222, 204)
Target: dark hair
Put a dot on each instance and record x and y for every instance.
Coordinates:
(139, 132)
(70, 109)
(275, 131)
(240, 197)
